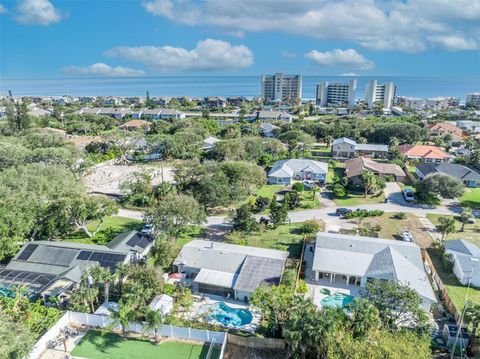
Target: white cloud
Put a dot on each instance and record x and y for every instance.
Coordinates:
(455, 43)
(101, 69)
(349, 74)
(409, 26)
(348, 59)
(208, 55)
(38, 12)
(2, 9)
(288, 54)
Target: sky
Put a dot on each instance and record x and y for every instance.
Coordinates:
(70, 38)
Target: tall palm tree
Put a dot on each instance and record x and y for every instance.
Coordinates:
(122, 270)
(86, 294)
(124, 316)
(104, 276)
(364, 317)
(153, 320)
(136, 294)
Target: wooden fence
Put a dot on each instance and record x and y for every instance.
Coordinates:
(448, 303)
(256, 343)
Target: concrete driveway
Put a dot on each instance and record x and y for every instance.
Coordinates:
(394, 194)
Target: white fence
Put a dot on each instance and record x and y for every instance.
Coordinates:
(101, 321)
(54, 331)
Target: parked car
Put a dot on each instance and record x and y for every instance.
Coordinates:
(408, 195)
(407, 236)
(342, 211)
(308, 184)
(148, 229)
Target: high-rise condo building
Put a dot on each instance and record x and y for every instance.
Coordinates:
(281, 88)
(384, 93)
(337, 94)
(473, 99)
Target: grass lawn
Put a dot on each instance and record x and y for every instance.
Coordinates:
(111, 227)
(471, 232)
(471, 198)
(94, 345)
(306, 201)
(391, 228)
(190, 234)
(353, 199)
(285, 237)
(455, 290)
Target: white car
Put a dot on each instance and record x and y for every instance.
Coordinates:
(148, 229)
(408, 195)
(407, 236)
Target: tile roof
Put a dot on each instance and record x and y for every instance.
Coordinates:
(424, 151)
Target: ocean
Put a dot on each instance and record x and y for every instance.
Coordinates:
(247, 86)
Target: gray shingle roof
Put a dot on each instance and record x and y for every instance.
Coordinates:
(241, 267)
(372, 257)
(287, 168)
(258, 271)
(462, 246)
(131, 241)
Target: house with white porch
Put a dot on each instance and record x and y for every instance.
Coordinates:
(353, 261)
(286, 171)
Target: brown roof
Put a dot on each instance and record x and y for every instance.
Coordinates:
(447, 127)
(354, 167)
(424, 151)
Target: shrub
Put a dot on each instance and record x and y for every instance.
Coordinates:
(289, 277)
(339, 190)
(400, 215)
(292, 200)
(310, 227)
(261, 203)
(169, 289)
(302, 287)
(362, 213)
(298, 187)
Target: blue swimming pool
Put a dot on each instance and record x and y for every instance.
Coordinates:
(228, 316)
(338, 300)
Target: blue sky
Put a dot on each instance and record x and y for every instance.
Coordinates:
(52, 38)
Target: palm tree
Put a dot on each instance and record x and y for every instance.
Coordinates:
(103, 275)
(124, 316)
(153, 320)
(465, 217)
(364, 317)
(86, 294)
(472, 316)
(370, 182)
(136, 294)
(122, 270)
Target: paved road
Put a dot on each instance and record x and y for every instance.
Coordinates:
(325, 212)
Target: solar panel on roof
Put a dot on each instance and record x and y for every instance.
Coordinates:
(95, 256)
(84, 255)
(132, 242)
(27, 252)
(143, 243)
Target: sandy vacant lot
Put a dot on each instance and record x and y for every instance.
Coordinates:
(106, 178)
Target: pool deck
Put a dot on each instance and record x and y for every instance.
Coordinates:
(203, 302)
(314, 286)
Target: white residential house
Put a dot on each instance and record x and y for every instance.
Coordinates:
(355, 260)
(209, 142)
(466, 261)
(346, 148)
(286, 171)
(274, 116)
(267, 129)
(229, 270)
